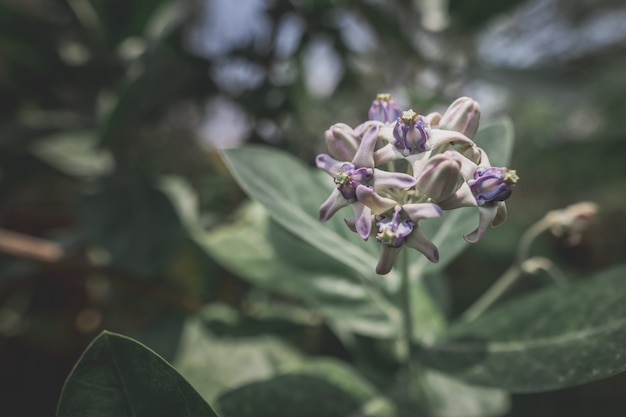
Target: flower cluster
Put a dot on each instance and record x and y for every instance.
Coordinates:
(400, 167)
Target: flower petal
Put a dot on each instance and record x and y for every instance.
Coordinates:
(440, 137)
(384, 179)
(463, 197)
(375, 202)
(328, 164)
(332, 205)
(418, 240)
(419, 211)
(386, 154)
(486, 214)
(500, 215)
(364, 156)
(387, 257)
(362, 220)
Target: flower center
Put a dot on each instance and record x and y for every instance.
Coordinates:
(393, 231)
(349, 178)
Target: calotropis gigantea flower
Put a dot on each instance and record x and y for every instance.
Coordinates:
(397, 168)
(351, 178)
(401, 228)
(491, 186)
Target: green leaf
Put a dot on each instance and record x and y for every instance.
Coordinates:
(443, 396)
(135, 223)
(497, 140)
(322, 387)
(74, 153)
(551, 339)
(261, 251)
(292, 194)
(117, 376)
(214, 364)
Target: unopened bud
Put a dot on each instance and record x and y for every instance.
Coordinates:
(463, 116)
(441, 177)
(342, 141)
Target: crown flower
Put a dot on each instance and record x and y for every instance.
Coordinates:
(398, 168)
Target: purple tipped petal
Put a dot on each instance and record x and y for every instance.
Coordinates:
(375, 202)
(328, 164)
(384, 179)
(486, 214)
(418, 240)
(387, 257)
(362, 220)
(419, 211)
(332, 205)
(364, 156)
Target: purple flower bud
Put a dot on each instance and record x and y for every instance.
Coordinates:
(393, 231)
(349, 178)
(463, 116)
(384, 109)
(493, 184)
(440, 177)
(410, 133)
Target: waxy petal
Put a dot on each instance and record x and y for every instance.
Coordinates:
(463, 115)
(439, 137)
(364, 156)
(462, 198)
(362, 220)
(384, 179)
(486, 215)
(386, 154)
(418, 240)
(419, 211)
(375, 202)
(332, 204)
(328, 164)
(387, 256)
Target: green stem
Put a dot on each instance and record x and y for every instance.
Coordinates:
(511, 275)
(405, 294)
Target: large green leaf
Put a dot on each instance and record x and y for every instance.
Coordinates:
(135, 224)
(117, 376)
(261, 251)
(292, 193)
(214, 364)
(555, 338)
(444, 396)
(322, 387)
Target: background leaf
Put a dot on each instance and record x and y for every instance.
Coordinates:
(117, 376)
(260, 250)
(552, 339)
(322, 387)
(292, 194)
(214, 364)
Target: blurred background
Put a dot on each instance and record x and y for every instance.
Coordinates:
(108, 105)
